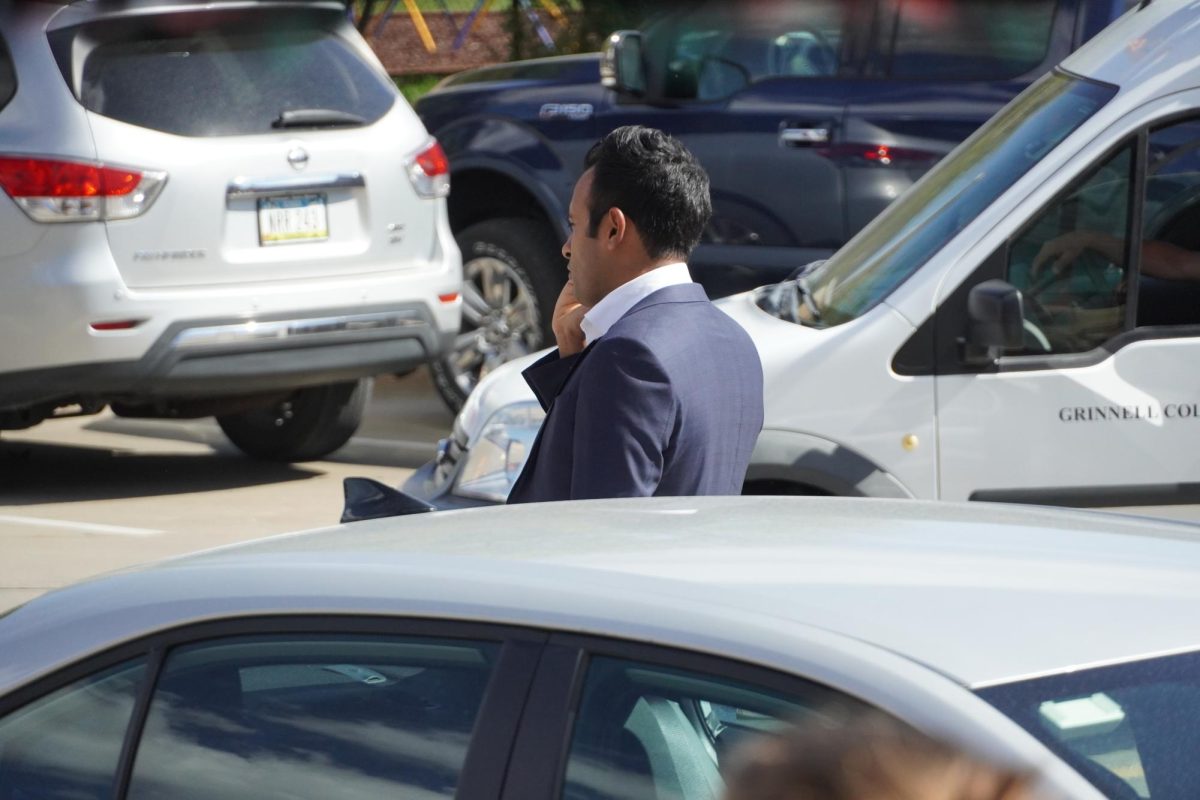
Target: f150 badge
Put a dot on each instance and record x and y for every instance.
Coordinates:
(576, 112)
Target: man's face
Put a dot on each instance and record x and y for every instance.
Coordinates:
(586, 255)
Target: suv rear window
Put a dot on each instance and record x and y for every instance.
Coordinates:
(8, 76)
(230, 76)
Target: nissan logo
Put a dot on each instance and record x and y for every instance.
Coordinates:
(298, 157)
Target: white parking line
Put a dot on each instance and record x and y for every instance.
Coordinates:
(83, 527)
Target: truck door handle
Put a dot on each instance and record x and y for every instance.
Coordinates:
(802, 137)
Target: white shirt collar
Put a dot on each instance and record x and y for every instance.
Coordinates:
(617, 303)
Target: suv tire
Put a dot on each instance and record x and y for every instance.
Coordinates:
(309, 424)
(510, 275)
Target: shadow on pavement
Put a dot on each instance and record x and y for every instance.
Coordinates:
(363, 450)
(36, 473)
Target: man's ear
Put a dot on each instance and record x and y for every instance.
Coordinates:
(613, 228)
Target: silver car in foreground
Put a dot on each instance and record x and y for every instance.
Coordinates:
(610, 649)
(221, 208)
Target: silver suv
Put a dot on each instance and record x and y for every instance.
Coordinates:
(213, 209)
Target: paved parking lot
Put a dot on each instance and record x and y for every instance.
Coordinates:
(92, 494)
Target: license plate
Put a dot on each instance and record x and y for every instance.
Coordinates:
(290, 219)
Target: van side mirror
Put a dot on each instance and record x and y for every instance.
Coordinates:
(621, 67)
(995, 321)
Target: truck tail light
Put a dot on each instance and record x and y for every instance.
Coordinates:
(882, 154)
(429, 171)
(54, 190)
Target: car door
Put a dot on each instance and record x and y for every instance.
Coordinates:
(756, 92)
(1099, 404)
(274, 708)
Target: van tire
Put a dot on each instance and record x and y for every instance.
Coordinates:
(309, 424)
(524, 254)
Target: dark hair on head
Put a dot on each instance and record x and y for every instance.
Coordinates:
(866, 754)
(656, 182)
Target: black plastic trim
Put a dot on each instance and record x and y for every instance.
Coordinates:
(539, 753)
(137, 722)
(8, 75)
(1150, 494)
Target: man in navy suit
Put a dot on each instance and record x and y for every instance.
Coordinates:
(652, 390)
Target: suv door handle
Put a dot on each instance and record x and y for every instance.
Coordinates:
(802, 137)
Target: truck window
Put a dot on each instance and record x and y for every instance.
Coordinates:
(718, 49)
(967, 39)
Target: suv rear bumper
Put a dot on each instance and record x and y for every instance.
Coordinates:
(225, 357)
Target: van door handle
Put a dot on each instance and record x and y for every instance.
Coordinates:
(803, 137)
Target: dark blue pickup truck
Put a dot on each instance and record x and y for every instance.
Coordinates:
(809, 115)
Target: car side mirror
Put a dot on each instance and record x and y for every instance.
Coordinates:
(621, 67)
(995, 321)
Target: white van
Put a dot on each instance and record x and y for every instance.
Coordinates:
(942, 353)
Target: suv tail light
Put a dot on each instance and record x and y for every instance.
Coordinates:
(52, 190)
(429, 171)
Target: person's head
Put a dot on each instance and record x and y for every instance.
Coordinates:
(641, 202)
(867, 756)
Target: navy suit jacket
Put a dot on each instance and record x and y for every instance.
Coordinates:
(668, 402)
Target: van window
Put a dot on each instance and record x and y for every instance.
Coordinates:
(229, 76)
(966, 39)
(1074, 294)
(8, 76)
(1072, 263)
(1169, 287)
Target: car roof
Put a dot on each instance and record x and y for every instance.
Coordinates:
(981, 593)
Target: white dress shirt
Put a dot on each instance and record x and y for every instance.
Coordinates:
(617, 303)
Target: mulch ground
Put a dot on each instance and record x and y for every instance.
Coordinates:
(400, 49)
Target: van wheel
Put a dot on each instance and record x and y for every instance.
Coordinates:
(512, 275)
(309, 424)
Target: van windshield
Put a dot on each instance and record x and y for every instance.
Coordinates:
(911, 230)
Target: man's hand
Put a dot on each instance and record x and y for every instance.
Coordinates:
(1060, 252)
(567, 321)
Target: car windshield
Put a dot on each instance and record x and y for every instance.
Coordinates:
(1130, 729)
(910, 231)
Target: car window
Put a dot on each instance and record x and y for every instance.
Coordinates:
(713, 51)
(8, 76)
(312, 717)
(239, 76)
(646, 731)
(1129, 729)
(965, 39)
(1074, 299)
(66, 746)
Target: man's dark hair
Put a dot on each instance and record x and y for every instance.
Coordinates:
(656, 182)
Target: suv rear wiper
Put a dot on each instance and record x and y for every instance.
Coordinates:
(316, 118)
